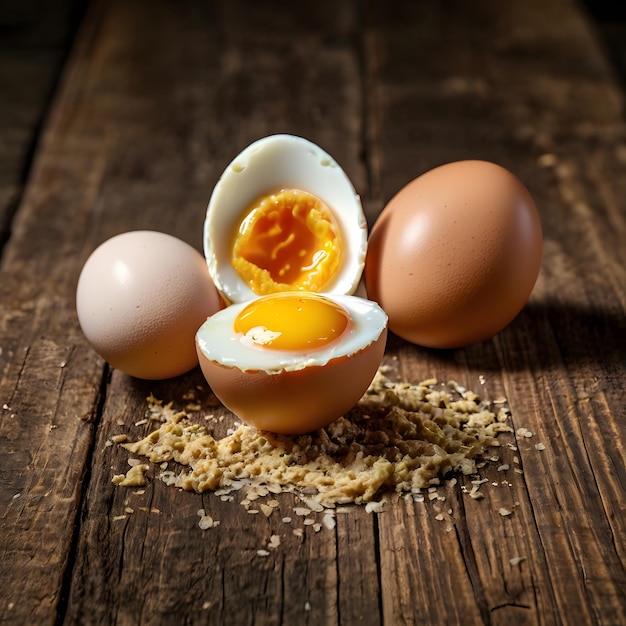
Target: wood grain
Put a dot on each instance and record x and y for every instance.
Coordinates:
(155, 100)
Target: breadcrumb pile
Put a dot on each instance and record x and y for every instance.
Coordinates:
(400, 437)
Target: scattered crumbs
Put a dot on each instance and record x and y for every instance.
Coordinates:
(540, 447)
(440, 428)
(504, 512)
(516, 560)
(262, 552)
(134, 477)
(523, 432)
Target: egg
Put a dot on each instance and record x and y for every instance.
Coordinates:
(292, 362)
(455, 254)
(141, 297)
(284, 216)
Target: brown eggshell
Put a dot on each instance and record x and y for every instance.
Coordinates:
(455, 254)
(295, 402)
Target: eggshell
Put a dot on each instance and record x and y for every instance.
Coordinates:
(454, 256)
(296, 401)
(140, 299)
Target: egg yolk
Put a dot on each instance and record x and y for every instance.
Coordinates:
(287, 241)
(301, 322)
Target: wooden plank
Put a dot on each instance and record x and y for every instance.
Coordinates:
(34, 43)
(117, 133)
(501, 83)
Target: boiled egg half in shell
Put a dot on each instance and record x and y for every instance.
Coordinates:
(284, 216)
(285, 240)
(292, 362)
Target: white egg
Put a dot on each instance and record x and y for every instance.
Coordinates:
(292, 362)
(284, 216)
(141, 297)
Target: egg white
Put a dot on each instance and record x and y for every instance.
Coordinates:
(220, 343)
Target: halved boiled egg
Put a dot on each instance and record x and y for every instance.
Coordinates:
(292, 362)
(284, 217)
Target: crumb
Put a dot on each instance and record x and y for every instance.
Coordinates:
(400, 437)
(134, 477)
(206, 522)
(375, 507)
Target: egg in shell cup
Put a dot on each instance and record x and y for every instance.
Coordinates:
(285, 239)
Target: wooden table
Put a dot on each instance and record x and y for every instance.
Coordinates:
(155, 98)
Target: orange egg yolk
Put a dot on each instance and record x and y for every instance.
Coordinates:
(287, 241)
(293, 321)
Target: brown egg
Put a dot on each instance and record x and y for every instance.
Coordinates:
(454, 256)
(292, 362)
